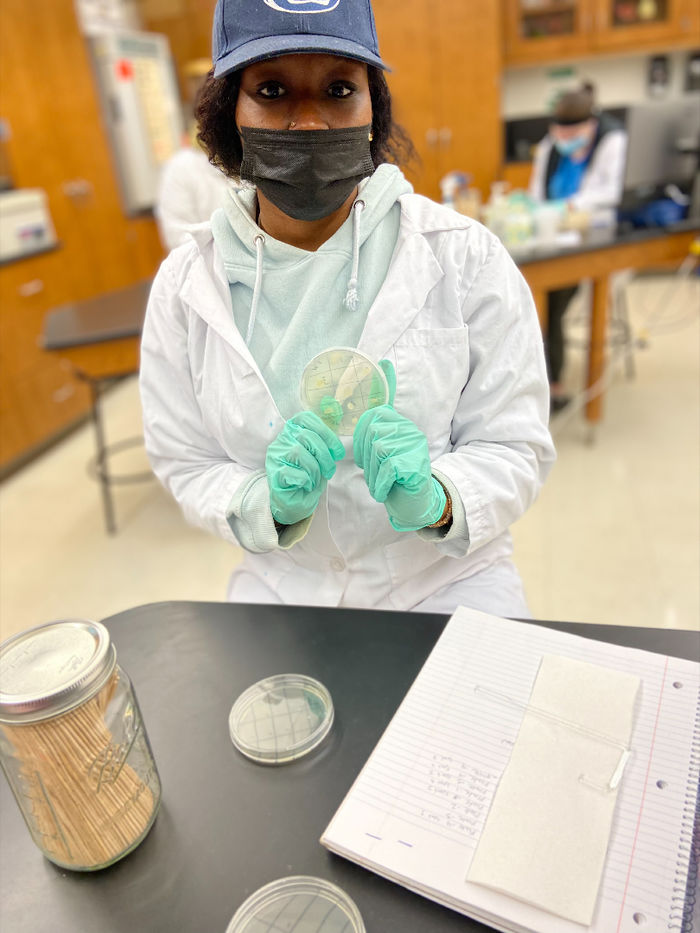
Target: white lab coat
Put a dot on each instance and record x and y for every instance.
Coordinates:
(603, 179)
(190, 189)
(457, 320)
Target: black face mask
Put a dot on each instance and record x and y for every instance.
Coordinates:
(308, 174)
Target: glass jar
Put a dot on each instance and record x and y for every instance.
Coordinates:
(73, 744)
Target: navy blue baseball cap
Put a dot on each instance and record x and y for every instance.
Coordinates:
(247, 31)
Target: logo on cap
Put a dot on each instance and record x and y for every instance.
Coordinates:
(303, 6)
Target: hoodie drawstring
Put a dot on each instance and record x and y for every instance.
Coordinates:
(352, 300)
(259, 241)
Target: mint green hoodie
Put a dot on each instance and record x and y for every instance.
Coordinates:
(304, 300)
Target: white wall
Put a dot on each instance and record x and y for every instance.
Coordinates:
(619, 80)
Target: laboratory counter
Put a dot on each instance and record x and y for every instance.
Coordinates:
(601, 238)
(598, 256)
(228, 825)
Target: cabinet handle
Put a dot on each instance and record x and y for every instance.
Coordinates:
(431, 137)
(445, 136)
(32, 287)
(63, 393)
(77, 188)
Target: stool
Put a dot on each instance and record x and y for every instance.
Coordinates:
(100, 338)
(618, 324)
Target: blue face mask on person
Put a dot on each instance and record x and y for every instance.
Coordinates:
(569, 147)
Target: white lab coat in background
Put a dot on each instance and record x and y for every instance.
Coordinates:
(190, 189)
(457, 320)
(603, 179)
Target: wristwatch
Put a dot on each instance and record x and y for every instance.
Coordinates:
(446, 516)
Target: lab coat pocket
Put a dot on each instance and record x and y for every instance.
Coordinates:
(432, 368)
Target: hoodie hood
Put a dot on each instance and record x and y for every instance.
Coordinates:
(242, 242)
(379, 192)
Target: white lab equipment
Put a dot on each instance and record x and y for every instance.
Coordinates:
(548, 217)
(25, 223)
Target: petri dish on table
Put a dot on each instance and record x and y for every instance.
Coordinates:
(299, 904)
(281, 718)
(340, 384)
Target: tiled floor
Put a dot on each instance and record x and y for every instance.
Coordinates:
(614, 537)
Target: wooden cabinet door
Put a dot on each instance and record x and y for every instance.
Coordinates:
(468, 99)
(38, 395)
(545, 30)
(445, 84)
(638, 24)
(690, 22)
(406, 31)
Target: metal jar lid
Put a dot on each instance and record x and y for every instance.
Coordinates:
(52, 668)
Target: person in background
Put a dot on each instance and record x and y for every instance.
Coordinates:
(581, 161)
(326, 245)
(190, 188)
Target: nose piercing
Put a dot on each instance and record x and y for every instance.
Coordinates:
(291, 125)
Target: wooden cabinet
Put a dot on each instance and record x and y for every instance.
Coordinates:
(57, 143)
(445, 84)
(545, 30)
(537, 31)
(38, 396)
(642, 23)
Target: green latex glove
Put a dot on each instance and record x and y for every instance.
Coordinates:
(394, 455)
(299, 463)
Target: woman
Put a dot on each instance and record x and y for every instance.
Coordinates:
(330, 247)
(580, 162)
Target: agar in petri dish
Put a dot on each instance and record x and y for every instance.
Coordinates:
(301, 904)
(281, 718)
(340, 384)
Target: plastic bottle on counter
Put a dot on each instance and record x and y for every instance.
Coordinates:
(494, 213)
(518, 227)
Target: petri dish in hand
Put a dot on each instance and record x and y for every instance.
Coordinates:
(300, 904)
(340, 384)
(281, 718)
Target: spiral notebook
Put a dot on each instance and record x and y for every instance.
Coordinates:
(424, 803)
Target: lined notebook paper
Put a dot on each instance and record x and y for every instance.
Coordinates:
(417, 809)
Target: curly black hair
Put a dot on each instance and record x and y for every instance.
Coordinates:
(217, 133)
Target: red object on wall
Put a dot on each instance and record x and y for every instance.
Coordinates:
(124, 69)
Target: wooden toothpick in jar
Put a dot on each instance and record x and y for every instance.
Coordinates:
(73, 744)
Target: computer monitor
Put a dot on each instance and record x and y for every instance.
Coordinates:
(663, 144)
